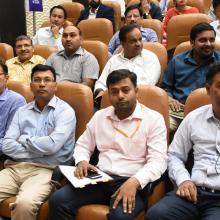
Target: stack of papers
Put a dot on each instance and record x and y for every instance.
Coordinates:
(68, 172)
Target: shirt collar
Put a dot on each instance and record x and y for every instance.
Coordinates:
(49, 30)
(189, 57)
(32, 60)
(90, 11)
(51, 104)
(3, 96)
(137, 114)
(134, 59)
(78, 52)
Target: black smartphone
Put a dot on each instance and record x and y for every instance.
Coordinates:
(92, 174)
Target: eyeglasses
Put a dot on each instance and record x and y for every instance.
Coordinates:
(40, 80)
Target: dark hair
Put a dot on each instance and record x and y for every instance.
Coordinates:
(215, 4)
(199, 28)
(23, 37)
(213, 70)
(132, 7)
(43, 68)
(59, 7)
(4, 68)
(120, 74)
(126, 29)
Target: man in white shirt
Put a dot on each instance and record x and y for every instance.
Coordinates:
(131, 140)
(52, 35)
(133, 57)
(197, 193)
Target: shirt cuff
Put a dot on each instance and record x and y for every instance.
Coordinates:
(143, 181)
(182, 178)
(23, 139)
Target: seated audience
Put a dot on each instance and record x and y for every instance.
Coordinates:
(150, 10)
(187, 71)
(19, 67)
(52, 35)
(133, 57)
(9, 102)
(180, 7)
(74, 63)
(197, 192)
(97, 10)
(133, 15)
(131, 141)
(41, 136)
(216, 24)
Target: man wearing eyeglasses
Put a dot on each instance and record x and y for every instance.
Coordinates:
(41, 136)
(20, 67)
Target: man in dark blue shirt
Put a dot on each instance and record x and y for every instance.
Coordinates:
(187, 71)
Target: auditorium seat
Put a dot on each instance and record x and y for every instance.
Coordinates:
(6, 52)
(179, 28)
(161, 53)
(99, 50)
(96, 29)
(155, 25)
(147, 96)
(79, 97)
(44, 50)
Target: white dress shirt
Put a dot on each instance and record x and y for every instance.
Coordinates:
(44, 36)
(142, 155)
(200, 130)
(145, 65)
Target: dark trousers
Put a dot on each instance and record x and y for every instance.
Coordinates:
(172, 207)
(63, 204)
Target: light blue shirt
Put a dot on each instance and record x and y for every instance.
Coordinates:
(45, 137)
(148, 35)
(200, 130)
(9, 102)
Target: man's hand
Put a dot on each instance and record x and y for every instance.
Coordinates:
(174, 104)
(146, 6)
(187, 190)
(55, 30)
(82, 169)
(127, 193)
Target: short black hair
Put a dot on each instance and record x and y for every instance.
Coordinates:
(213, 70)
(4, 68)
(43, 68)
(215, 4)
(199, 28)
(59, 7)
(23, 37)
(132, 7)
(126, 29)
(120, 74)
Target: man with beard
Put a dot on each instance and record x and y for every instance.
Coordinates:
(52, 35)
(187, 71)
(131, 140)
(97, 10)
(133, 15)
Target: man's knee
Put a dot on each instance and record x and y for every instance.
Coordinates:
(118, 214)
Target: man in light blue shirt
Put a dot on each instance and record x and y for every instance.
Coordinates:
(133, 15)
(41, 136)
(9, 102)
(197, 195)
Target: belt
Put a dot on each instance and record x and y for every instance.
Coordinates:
(206, 189)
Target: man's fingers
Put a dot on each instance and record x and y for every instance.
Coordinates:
(117, 200)
(130, 205)
(125, 204)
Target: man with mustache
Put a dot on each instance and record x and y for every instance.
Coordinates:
(187, 71)
(19, 67)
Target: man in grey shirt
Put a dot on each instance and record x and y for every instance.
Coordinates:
(197, 195)
(41, 136)
(74, 63)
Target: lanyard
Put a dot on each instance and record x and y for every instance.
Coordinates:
(124, 133)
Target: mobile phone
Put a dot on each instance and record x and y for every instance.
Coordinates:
(92, 174)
